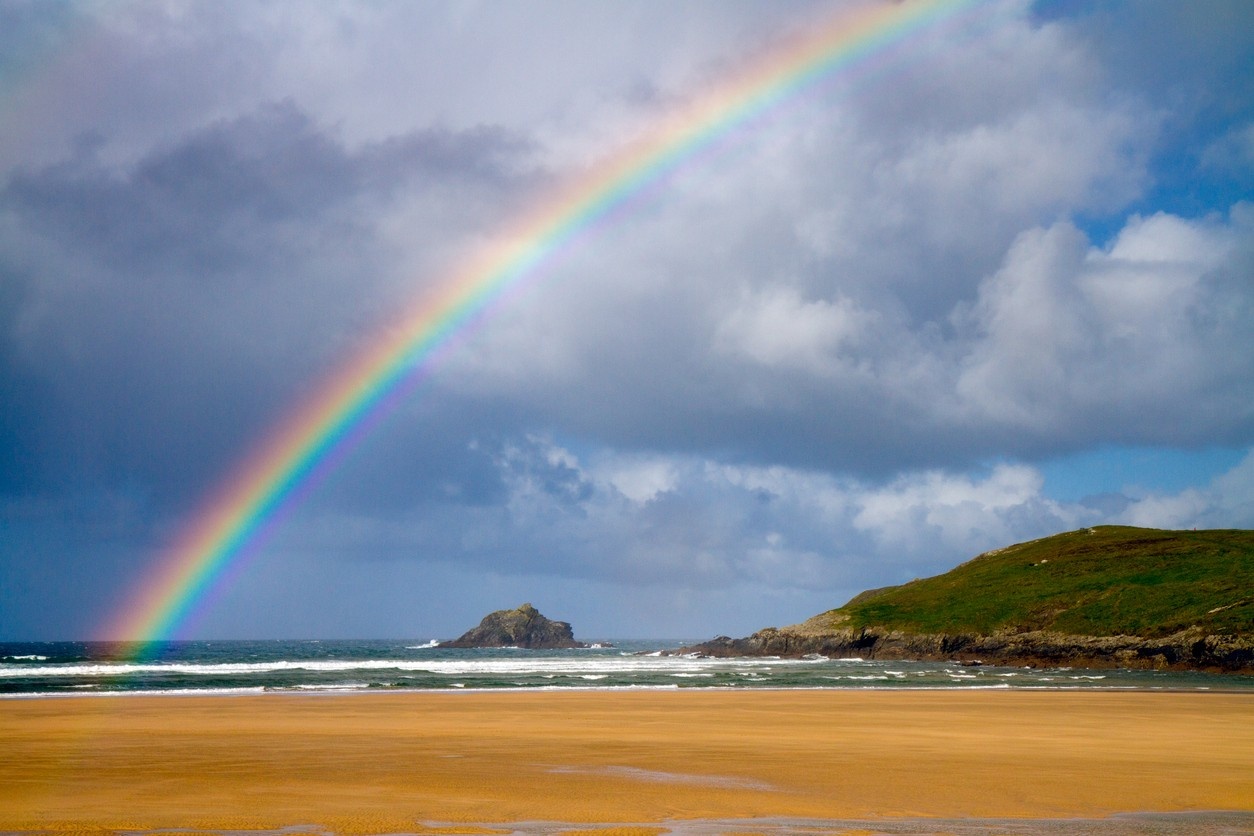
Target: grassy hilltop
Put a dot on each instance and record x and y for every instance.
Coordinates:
(1111, 596)
(1104, 581)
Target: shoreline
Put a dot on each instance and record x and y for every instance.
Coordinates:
(390, 666)
(405, 762)
(334, 691)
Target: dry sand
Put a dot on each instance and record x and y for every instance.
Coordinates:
(390, 763)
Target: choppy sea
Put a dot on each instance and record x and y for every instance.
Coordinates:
(237, 667)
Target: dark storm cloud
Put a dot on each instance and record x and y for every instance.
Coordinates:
(156, 317)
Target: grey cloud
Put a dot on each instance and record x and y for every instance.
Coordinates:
(138, 73)
(1064, 345)
(714, 526)
(820, 355)
(157, 316)
(708, 526)
(840, 333)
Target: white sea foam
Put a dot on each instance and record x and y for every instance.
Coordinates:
(505, 666)
(338, 686)
(520, 670)
(196, 669)
(143, 692)
(421, 667)
(427, 646)
(996, 686)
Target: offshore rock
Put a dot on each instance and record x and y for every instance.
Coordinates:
(1189, 649)
(524, 627)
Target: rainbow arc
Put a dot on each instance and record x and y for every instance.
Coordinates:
(269, 482)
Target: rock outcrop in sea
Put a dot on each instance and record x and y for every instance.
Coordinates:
(522, 627)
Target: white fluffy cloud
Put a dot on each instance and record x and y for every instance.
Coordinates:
(930, 275)
(776, 327)
(1149, 331)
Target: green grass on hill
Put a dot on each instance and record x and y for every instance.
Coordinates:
(1110, 580)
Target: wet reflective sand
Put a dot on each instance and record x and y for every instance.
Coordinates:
(698, 761)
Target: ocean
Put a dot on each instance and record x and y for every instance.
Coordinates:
(30, 669)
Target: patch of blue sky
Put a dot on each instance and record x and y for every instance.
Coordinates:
(1134, 471)
(1193, 66)
(1187, 184)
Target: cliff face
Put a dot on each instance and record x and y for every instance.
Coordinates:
(523, 627)
(1186, 650)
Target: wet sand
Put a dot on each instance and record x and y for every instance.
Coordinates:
(405, 762)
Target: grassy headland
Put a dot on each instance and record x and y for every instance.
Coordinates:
(1104, 581)
(1111, 595)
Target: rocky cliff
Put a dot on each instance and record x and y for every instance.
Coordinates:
(523, 627)
(1186, 650)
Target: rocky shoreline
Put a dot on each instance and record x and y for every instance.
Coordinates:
(1187, 650)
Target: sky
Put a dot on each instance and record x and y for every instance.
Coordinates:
(1000, 287)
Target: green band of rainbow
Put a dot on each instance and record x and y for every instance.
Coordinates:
(246, 505)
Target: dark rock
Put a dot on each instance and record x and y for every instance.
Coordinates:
(524, 627)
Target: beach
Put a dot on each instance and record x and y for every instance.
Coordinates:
(405, 762)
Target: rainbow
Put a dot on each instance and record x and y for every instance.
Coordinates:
(251, 502)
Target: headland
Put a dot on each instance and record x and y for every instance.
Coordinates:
(1104, 597)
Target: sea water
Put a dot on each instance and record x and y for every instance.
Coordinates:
(102, 668)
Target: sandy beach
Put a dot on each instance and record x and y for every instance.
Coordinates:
(405, 762)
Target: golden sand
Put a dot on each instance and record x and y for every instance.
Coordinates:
(436, 762)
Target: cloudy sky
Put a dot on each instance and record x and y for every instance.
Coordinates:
(1000, 287)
